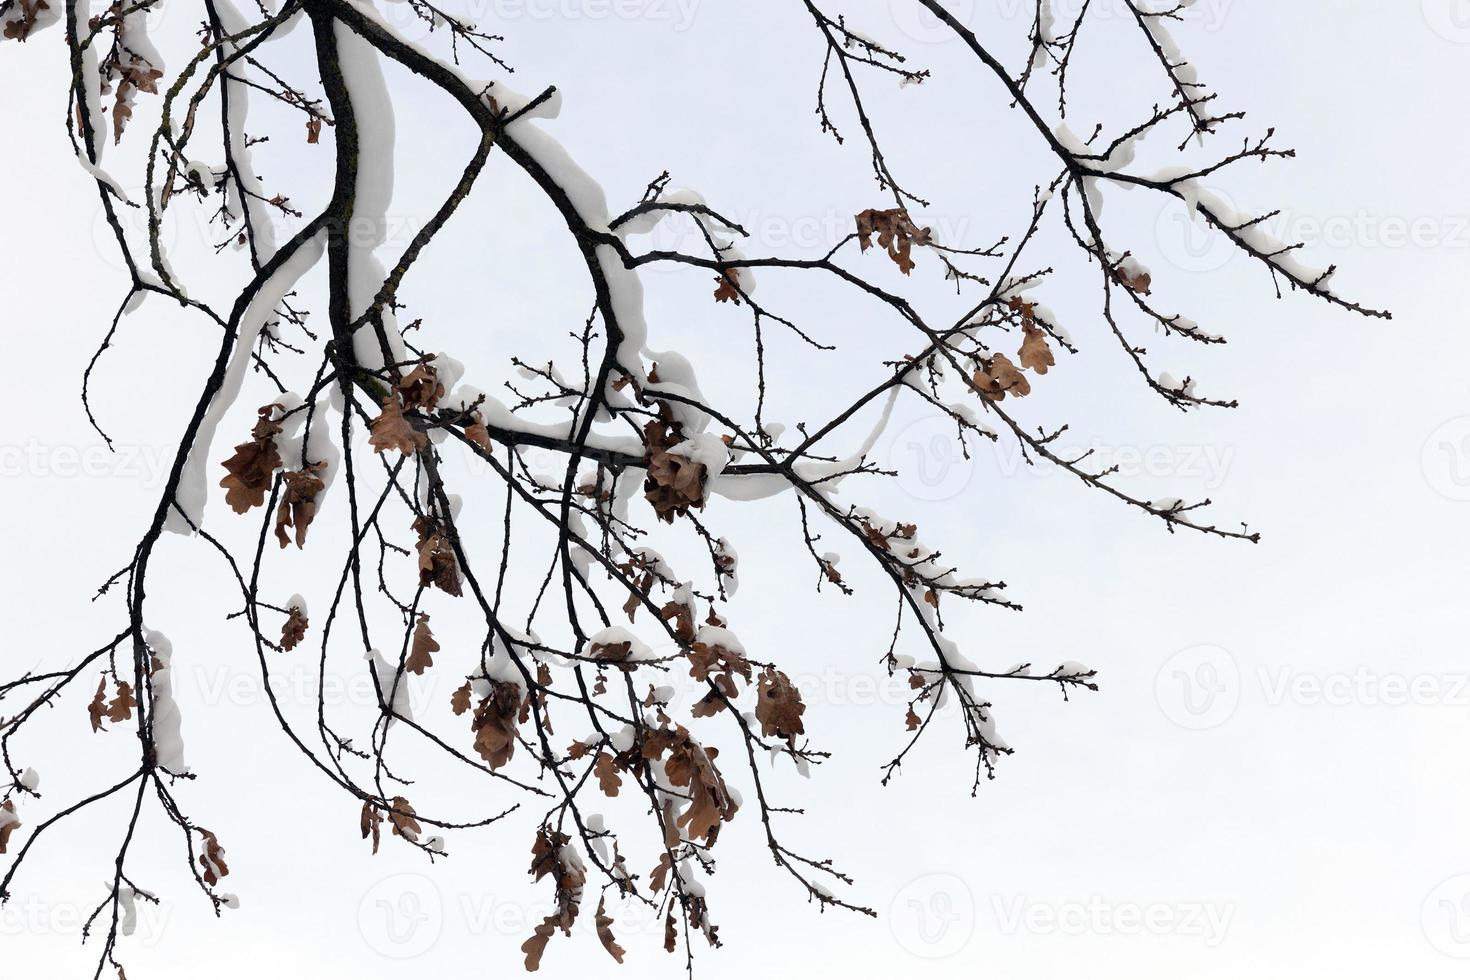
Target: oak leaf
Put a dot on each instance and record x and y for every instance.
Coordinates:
(1035, 353)
(97, 710)
(478, 433)
(437, 564)
(371, 824)
(494, 723)
(8, 823)
(896, 233)
(778, 706)
(121, 708)
(212, 860)
(997, 376)
(294, 631)
(249, 471)
(390, 430)
(402, 819)
(19, 30)
(674, 484)
(421, 653)
(297, 508)
(608, 779)
(421, 387)
(604, 931)
(728, 289)
(535, 947)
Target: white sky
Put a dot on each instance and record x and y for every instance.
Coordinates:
(1307, 821)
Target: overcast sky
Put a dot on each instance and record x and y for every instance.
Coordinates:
(1272, 779)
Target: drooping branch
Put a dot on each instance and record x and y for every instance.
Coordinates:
(570, 686)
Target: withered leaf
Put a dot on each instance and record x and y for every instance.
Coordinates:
(401, 817)
(121, 708)
(683, 616)
(708, 706)
(294, 631)
(604, 931)
(97, 710)
(460, 702)
(659, 876)
(478, 433)
(896, 233)
(8, 823)
(535, 947)
(608, 779)
(778, 706)
(713, 662)
(421, 653)
(728, 288)
(1035, 353)
(1139, 282)
(249, 471)
(391, 430)
(692, 766)
(371, 823)
(997, 376)
(212, 860)
(134, 75)
(613, 653)
(674, 484)
(297, 508)
(437, 564)
(421, 387)
(19, 30)
(495, 722)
